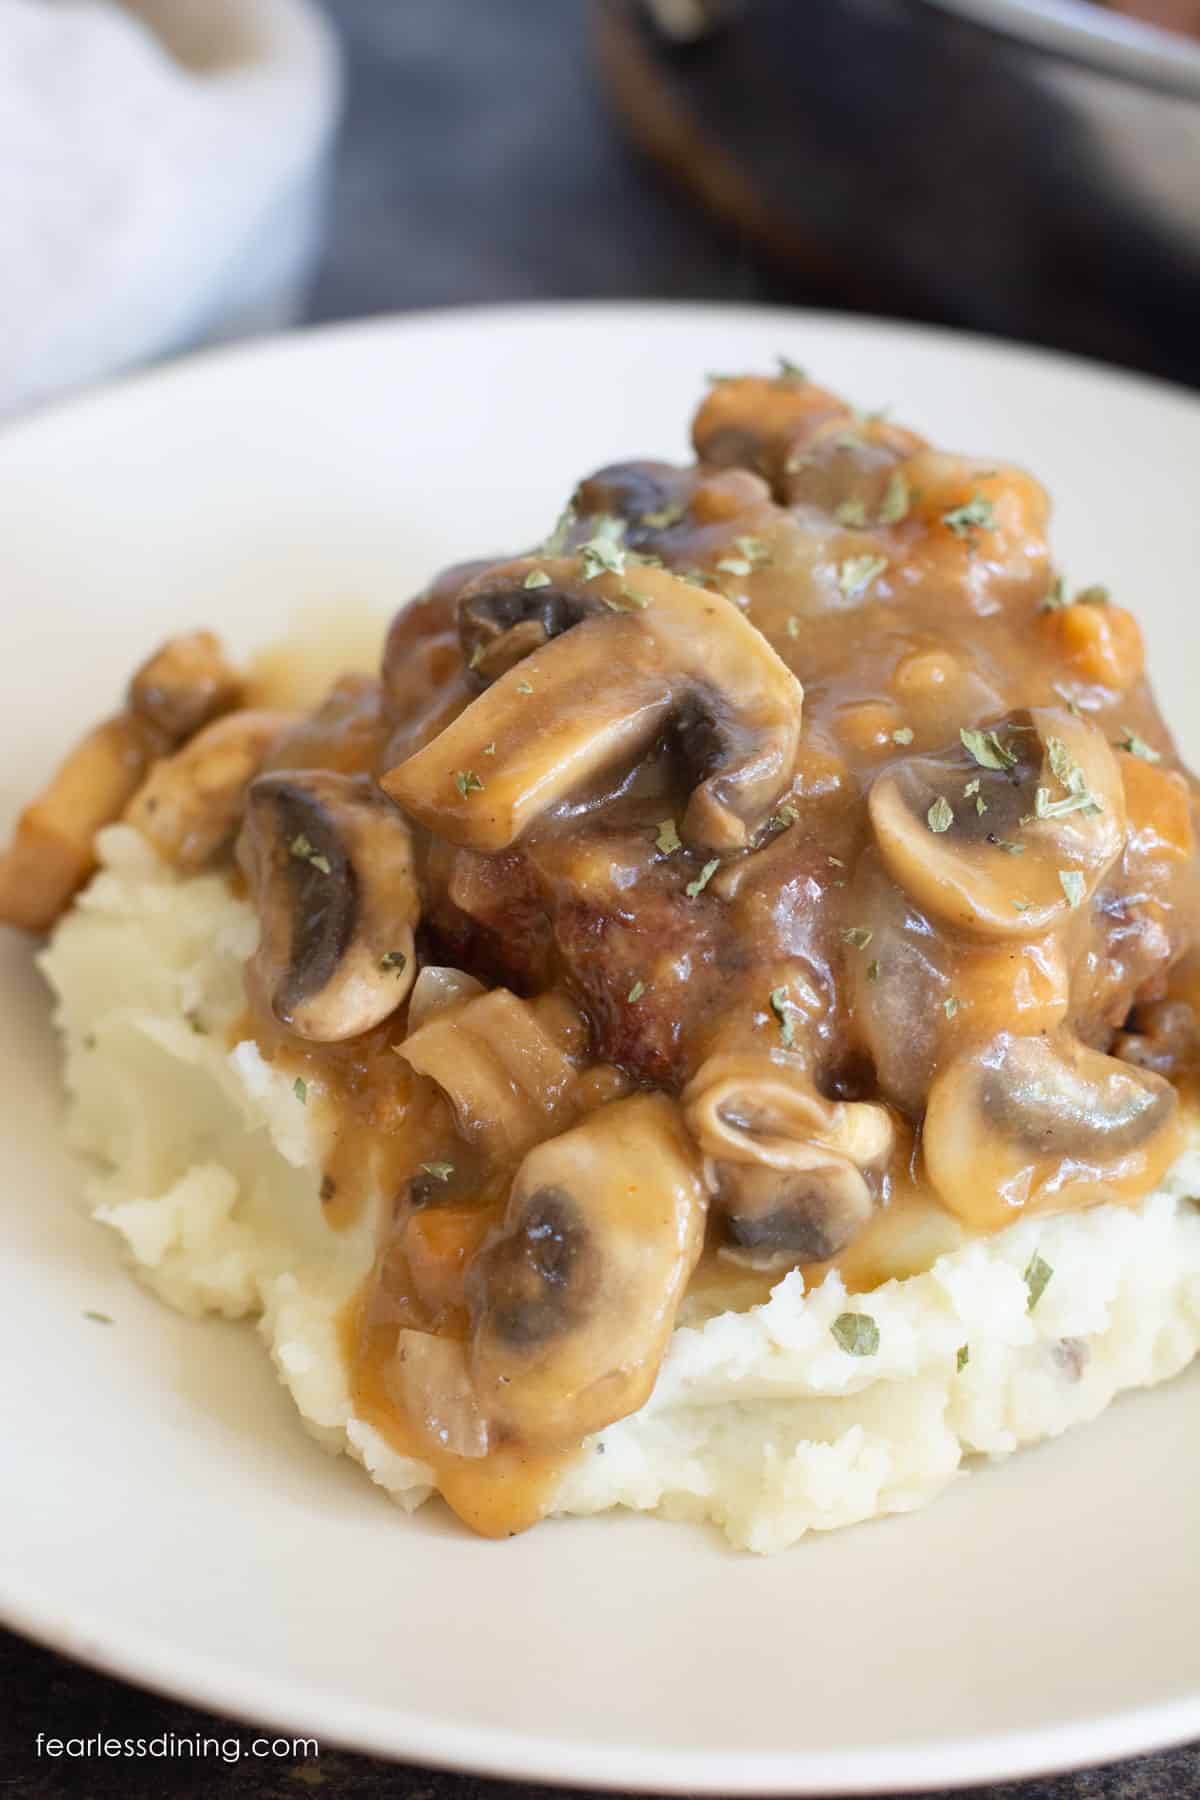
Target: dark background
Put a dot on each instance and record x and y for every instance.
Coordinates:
(480, 161)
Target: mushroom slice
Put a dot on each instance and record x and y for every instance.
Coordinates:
(1041, 1124)
(52, 853)
(190, 803)
(429, 1379)
(752, 1107)
(329, 862)
(986, 847)
(604, 691)
(790, 1163)
(647, 497)
(438, 987)
(572, 1303)
(776, 1218)
(185, 685)
(515, 607)
(502, 1065)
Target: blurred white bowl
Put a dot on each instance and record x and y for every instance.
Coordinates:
(162, 176)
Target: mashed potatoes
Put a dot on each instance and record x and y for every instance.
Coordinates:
(760, 1420)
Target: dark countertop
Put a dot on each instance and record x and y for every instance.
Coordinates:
(455, 106)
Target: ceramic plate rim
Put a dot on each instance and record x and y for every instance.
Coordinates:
(131, 1652)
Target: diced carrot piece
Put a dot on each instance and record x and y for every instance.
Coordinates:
(1158, 805)
(440, 1243)
(1099, 643)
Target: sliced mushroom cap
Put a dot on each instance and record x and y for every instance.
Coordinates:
(1041, 1124)
(53, 849)
(790, 1163)
(985, 848)
(763, 1109)
(437, 988)
(915, 992)
(604, 691)
(502, 618)
(185, 684)
(503, 1064)
(190, 803)
(775, 1218)
(647, 497)
(572, 1304)
(430, 1381)
(329, 862)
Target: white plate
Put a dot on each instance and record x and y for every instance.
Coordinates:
(162, 1514)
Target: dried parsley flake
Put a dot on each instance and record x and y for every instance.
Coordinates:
(856, 1333)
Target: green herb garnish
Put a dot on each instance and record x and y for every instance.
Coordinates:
(963, 1357)
(603, 553)
(896, 499)
(940, 816)
(668, 838)
(1137, 746)
(856, 1333)
(858, 572)
(1065, 770)
(440, 1171)
(635, 992)
(781, 1007)
(857, 936)
(987, 750)
(665, 516)
(1037, 1279)
(300, 1089)
(303, 851)
(851, 512)
(467, 782)
(977, 514)
(1073, 886)
(903, 734)
(702, 880)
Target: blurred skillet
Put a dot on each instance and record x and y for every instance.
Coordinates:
(1030, 167)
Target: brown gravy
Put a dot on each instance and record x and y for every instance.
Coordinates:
(913, 595)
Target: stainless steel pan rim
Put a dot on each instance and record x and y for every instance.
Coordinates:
(1091, 34)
